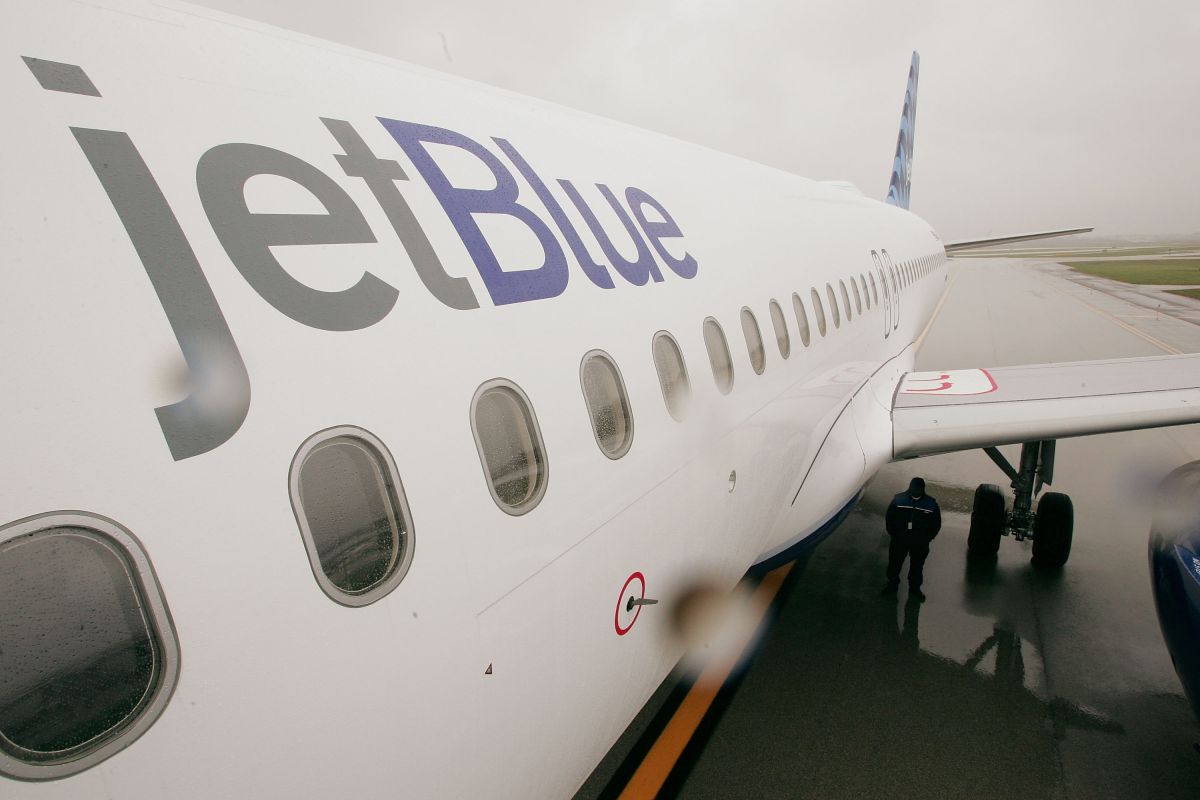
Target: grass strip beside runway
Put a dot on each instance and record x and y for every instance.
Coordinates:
(1143, 271)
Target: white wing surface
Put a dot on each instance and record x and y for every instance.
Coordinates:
(939, 412)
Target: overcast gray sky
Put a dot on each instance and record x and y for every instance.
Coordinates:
(1032, 114)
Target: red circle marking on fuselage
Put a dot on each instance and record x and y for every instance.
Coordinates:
(640, 578)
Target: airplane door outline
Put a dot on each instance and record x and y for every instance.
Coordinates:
(895, 289)
(887, 296)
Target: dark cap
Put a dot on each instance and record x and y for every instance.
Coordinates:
(916, 487)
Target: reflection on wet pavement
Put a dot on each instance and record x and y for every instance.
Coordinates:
(860, 695)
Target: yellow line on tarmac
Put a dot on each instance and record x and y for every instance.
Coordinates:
(933, 317)
(1113, 318)
(652, 773)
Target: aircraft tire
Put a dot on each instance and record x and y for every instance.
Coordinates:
(1052, 530)
(987, 521)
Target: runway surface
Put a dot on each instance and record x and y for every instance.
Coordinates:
(1006, 682)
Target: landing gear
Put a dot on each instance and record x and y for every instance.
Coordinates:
(1050, 527)
(1052, 530)
(988, 520)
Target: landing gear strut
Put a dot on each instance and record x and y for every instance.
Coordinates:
(1050, 527)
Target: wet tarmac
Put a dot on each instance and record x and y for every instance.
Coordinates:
(1007, 681)
(1157, 300)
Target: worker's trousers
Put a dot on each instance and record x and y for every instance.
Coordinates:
(916, 552)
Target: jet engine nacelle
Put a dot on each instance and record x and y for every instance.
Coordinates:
(1175, 573)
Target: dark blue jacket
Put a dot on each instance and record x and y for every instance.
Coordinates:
(917, 520)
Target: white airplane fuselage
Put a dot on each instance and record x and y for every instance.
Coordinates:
(283, 692)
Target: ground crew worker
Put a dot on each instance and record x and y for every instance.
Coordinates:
(913, 520)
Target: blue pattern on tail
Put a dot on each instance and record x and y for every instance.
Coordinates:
(899, 186)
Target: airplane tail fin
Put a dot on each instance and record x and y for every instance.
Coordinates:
(898, 188)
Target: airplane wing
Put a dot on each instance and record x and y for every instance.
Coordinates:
(954, 247)
(940, 412)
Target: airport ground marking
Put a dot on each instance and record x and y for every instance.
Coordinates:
(933, 317)
(664, 754)
(1113, 318)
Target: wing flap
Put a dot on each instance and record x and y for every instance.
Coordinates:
(940, 412)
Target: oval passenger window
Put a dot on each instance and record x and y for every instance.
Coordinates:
(352, 515)
(510, 446)
(607, 402)
(672, 374)
(88, 657)
(801, 318)
(718, 355)
(781, 332)
(833, 306)
(754, 342)
(818, 311)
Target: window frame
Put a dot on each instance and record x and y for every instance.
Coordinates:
(801, 319)
(747, 314)
(725, 349)
(832, 295)
(779, 323)
(535, 499)
(148, 590)
(626, 406)
(398, 496)
(819, 311)
(687, 379)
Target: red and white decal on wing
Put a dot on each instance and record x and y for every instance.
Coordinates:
(954, 382)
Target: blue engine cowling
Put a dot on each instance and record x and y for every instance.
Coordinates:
(1175, 573)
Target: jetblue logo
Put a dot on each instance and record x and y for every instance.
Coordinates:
(462, 206)
(220, 397)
